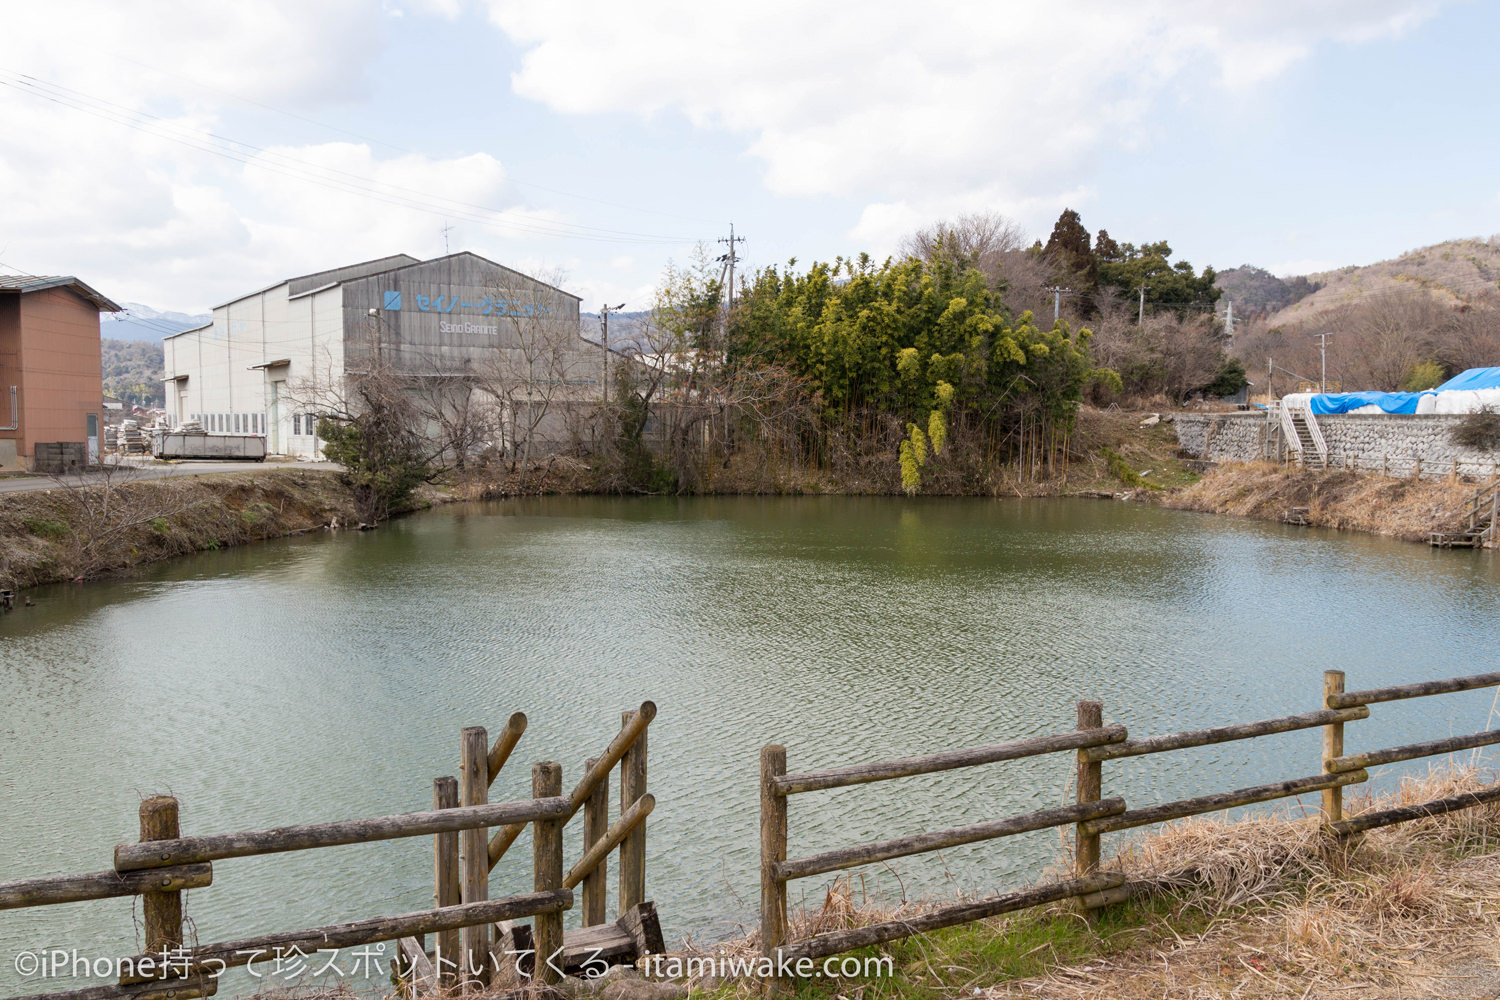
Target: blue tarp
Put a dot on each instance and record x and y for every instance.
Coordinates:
(1474, 378)
(1343, 402)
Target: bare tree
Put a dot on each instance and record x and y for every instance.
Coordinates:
(542, 374)
(106, 505)
(998, 246)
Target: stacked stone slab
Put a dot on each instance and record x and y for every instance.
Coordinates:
(1395, 444)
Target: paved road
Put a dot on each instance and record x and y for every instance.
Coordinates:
(135, 472)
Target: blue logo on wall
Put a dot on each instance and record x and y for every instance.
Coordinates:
(393, 300)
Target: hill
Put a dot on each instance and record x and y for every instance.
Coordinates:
(1256, 291)
(140, 322)
(1452, 273)
(133, 370)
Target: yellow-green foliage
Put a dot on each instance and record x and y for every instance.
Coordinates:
(937, 420)
(913, 457)
(937, 430)
(911, 471)
(918, 443)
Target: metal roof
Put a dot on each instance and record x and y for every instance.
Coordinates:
(40, 283)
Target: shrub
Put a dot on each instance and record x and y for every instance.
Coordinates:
(1427, 375)
(1479, 430)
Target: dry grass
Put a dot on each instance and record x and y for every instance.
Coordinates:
(1404, 508)
(1264, 906)
(1409, 910)
(80, 533)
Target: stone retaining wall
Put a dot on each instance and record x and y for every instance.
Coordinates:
(1396, 444)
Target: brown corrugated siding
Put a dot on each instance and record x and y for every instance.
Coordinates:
(10, 364)
(60, 376)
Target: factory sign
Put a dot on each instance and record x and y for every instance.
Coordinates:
(486, 305)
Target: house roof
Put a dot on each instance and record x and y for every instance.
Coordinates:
(23, 283)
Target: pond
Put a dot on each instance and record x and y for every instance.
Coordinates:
(328, 676)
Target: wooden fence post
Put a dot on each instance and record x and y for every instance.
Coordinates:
(162, 910)
(1333, 746)
(633, 849)
(1090, 789)
(445, 882)
(547, 868)
(595, 826)
(474, 849)
(772, 852)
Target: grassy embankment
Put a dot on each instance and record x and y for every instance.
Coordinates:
(1402, 508)
(80, 533)
(1259, 907)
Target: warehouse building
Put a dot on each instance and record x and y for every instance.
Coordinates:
(271, 361)
(51, 387)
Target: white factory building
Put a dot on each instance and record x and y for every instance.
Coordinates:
(267, 358)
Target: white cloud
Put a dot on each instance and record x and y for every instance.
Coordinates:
(267, 50)
(145, 213)
(891, 101)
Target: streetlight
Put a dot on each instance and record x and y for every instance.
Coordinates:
(604, 311)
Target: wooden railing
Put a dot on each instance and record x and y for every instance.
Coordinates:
(462, 864)
(1092, 815)
(776, 869)
(164, 863)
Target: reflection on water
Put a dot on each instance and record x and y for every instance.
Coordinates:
(327, 677)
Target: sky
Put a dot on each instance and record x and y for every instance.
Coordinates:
(179, 153)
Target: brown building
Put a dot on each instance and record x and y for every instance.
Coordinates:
(51, 387)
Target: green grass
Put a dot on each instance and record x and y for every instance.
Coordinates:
(1124, 473)
(956, 960)
(45, 527)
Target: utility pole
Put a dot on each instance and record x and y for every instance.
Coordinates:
(604, 312)
(1140, 319)
(446, 230)
(731, 257)
(1323, 383)
(1057, 293)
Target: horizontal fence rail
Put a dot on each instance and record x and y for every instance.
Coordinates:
(1419, 690)
(1422, 810)
(186, 850)
(214, 958)
(1223, 734)
(1220, 801)
(859, 774)
(938, 840)
(1412, 751)
(102, 885)
(823, 945)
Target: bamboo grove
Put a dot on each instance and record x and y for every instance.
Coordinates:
(920, 357)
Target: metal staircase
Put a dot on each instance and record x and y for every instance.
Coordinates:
(1300, 430)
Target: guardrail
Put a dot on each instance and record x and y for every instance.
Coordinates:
(1092, 815)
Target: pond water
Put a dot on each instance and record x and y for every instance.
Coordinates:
(327, 677)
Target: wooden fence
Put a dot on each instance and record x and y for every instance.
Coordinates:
(1092, 814)
(475, 934)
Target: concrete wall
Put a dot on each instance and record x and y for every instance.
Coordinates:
(1394, 443)
(272, 359)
